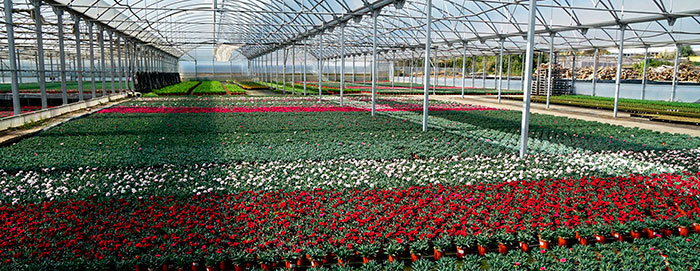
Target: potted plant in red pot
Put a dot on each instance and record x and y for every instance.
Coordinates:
(316, 256)
(291, 258)
(584, 233)
(667, 227)
(368, 252)
(653, 227)
(684, 224)
(636, 228)
(525, 238)
(545, 237)
(213, 261)
(267, 259)
(484, 240)
(343, 254)
(393, 250)
(239, 259)
(599, 232)
(464, 243)
(564, 234)
(618, 230)
(441, 245)
(419, 248)
(504, 240)
(696, 223)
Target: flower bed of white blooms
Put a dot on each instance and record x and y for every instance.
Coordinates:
(184, 181)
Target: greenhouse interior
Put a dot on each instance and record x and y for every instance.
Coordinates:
(425, 135)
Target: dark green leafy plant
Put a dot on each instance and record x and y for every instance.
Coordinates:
(443, 243)
(420, 247)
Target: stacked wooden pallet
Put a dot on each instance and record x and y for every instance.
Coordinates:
(540, 83)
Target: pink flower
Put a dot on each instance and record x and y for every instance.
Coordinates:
(517, 263)
(542, 268)
(563, 260)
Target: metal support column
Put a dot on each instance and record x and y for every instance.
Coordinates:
(426, 65)
(525, 123)
(573, 72)
(674, 83)
(16, 107)
(342, 62)
(464, 67)
(500, 71)
(549, 69)
(483, 76)
(320, 67)
(375, 14)
(101, 40)
(111, 60)
(120, 69)
(305, 53)
(92, 59)
(644, 72)
(473, 71)
(79, 59)
(508, 84)
(595, 69)
(61, 54)
(40, 52)
(618, 73)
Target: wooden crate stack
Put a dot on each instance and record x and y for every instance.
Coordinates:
(559, 85)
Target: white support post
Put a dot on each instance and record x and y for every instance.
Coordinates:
(304, 68)
(342, 62)
(473, 71)
(644, 72)
(79, 60)
(111, 61)
(375, 14)
(525, 124)
(464, 67)
(483, 76)
(595, 70)
(92, 60)
(40, 53)
(549, 69)
(500, 71)
(674, 83)
(320, 66)
(294, 70)
(508, 82)
(426, 71)
(16, 107)
(101, 41)
(619, 68)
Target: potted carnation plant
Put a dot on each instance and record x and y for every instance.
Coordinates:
(441, 245)
(525, 238)
(393, 250)
(463, 243)
(504, 240)
(483, 241)
(564, 234)
(546, 237)
(419, 248)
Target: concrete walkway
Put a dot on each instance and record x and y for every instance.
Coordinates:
(605, 116)
(260, 92)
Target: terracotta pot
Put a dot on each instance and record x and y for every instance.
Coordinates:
(437, 254)
(391, 258)
(667, 232)
(414, 257)
(300, 261)
(266, 266)
(327, 259)
(239, 267)
(683, 231)
(696, 227)
(635, 234)
(583, 241)
(650, 233)
(212, 268)
(599, 239)
(141, 267)
(316, 264)
(366, 259)
(197, 266)
(482, 250)
(290, 265)
(503, 249)
(524, 246)
(225, 265)
(562, 242)
(618, 237)
(544, 244)
(461, 252)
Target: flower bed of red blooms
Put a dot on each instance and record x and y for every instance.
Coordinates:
(259, 221)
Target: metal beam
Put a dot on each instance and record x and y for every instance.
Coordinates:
(426, 65)
(618, 73)
(525, 123)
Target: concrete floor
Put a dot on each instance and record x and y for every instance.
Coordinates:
(588, 114)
